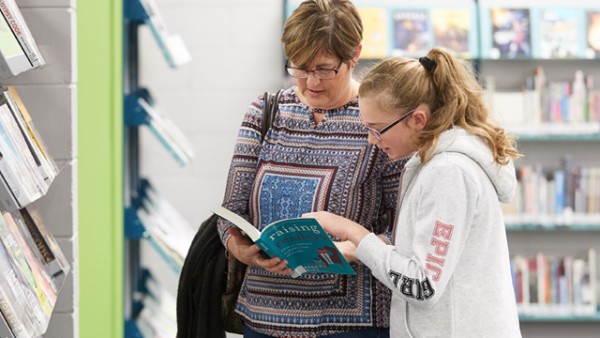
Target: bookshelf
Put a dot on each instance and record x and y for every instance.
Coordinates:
(148, 217)
(506, 56)
(35, 269)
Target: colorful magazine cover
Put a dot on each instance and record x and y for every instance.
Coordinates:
(559, 34)
(511, 33)
(412, 32)
(451, 30)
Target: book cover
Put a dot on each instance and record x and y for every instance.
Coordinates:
(12, 297)
(300, 241)
(592, 36)
(49, 165)
(412, 32)
(14, 18)
(37, 305)
(41, 279)
(510, 34)
(14, 170)
(375, 32)
(452, 30)
(47, 242)
(12, 58)
(24, 154)
(25, 140)
(559, 33)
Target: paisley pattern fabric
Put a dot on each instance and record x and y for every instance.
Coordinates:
(300, 167)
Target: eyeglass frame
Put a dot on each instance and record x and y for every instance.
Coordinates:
(378, 134)
(308, 72)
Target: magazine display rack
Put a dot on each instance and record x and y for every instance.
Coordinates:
(33, 266)
(148, 216)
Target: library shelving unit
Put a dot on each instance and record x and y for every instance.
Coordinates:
(34, 269)
(560, 40)
(148, 216)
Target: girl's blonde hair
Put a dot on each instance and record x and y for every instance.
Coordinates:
(449, 87)
(330, 26)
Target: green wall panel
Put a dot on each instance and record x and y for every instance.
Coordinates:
(99, 31)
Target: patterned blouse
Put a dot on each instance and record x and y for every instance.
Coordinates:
(301, 167)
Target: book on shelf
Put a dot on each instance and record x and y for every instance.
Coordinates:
(12, 298)
(168, 230)
(37, 298)
(300, 241)
(412, 32)
(171, 45)
(455, 28)
(49, 252)
(510, 33)
(592, 36)
(157, 318)
(20, 185)
(375, 32)
(35, 142)
(13, 17)
(169, 135)
(13, 60)
(559, 32)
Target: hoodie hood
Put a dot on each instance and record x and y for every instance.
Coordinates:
(503, 177)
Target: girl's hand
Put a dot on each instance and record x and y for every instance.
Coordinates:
(347, 249)
(338, 226)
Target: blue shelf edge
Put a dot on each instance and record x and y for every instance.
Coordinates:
(560, 318)
(132, 330)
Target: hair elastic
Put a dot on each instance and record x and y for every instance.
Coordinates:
(428, 63)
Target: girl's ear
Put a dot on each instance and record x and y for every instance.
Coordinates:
(420, 117)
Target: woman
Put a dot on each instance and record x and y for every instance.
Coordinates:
(448, 268)
(315, 157)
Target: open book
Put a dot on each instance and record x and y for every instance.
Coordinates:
(300, 241)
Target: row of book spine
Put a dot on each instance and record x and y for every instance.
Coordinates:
(556, 194)
(18, 50)
(570, 103)
(553, 285)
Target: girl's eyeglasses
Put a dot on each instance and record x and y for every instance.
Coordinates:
(377, 134)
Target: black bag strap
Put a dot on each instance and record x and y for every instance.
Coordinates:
(271, 106)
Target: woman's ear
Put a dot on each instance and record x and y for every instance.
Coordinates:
(357, 54)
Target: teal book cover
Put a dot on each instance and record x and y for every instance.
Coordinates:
(300, 241)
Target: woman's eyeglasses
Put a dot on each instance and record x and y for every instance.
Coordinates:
(377, 134)
(319, 73)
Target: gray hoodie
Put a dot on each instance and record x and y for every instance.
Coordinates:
(449, 266)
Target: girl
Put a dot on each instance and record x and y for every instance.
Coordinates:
(448, 267)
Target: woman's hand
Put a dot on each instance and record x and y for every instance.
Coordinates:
(338, 226)
(242, 248)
